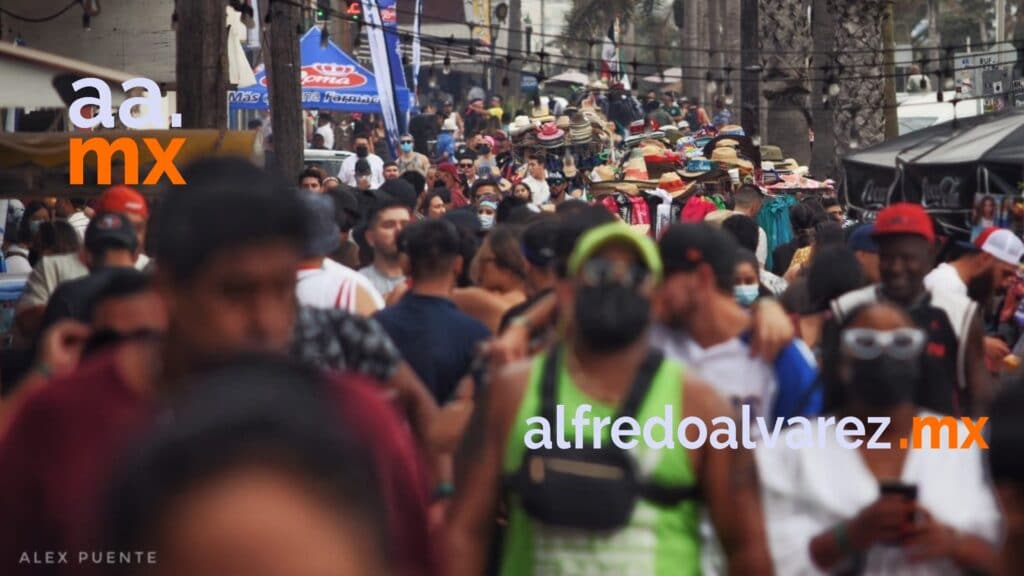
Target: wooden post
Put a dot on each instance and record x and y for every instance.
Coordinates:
(283, 65)
(202, 67)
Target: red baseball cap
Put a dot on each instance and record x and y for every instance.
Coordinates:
(124, 200)
(904, 218)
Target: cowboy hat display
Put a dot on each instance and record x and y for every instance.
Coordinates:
(771, 153)
(697, 167)
(520, 125)
(729, 158)
(671, 182)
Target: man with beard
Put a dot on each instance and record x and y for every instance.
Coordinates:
(605, 306)
(704, 327)
(955, 380)
(228, 287)
(988, 268)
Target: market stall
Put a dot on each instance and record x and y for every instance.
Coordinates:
(947, 168)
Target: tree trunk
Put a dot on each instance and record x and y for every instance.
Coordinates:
(750, 115)
(515, 48)
(786, 37)
(892, 119)
(858, 113)
(283, 64)
(823, 153)
(733, 35)
(202, 66)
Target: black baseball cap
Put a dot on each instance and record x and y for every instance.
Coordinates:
(110, 230)
(684, 247)
(465, 153)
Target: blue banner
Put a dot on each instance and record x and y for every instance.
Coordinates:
(331, 80)
(383, 55)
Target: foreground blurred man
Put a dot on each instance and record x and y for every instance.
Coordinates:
(605, 305)
(228, 286)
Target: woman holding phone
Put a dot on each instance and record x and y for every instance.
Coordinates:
(835, 505)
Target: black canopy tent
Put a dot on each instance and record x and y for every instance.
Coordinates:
(942, 167)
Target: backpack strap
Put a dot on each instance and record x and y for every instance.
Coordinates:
(548, 383)
(637, 392)
(641, 383)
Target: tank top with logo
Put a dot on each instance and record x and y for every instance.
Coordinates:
(658, 541)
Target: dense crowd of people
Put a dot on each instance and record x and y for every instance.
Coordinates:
(337, 373)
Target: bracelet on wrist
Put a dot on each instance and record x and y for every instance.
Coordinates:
(443, 490)
(842, 537)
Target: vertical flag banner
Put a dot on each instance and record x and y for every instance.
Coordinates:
(417, 19)
(382, 66)
(612, 67)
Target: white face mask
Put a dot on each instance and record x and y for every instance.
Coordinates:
(486, 221)
(746, 294)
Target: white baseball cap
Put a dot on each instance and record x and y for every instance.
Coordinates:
(1002, 244)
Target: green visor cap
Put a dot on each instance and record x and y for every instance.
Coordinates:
(616, 233)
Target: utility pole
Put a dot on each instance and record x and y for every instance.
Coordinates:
(202, 68)
(283, 63)
(750, 113)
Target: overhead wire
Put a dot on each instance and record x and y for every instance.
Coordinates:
(40, 19)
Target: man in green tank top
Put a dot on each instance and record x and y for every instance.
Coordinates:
(605, 308)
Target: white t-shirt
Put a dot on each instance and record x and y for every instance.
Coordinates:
(50, 271)
(540, 193)
(809, 490)
(327, 131)
(945, 278)
(728, 367)
(347, 173)
(16, 260)
(333, 286)
(80, 222)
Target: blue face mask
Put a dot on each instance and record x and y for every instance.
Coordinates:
(33, 226)
(746, 294)
(406, 146)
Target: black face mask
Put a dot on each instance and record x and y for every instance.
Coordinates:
(362, 151)
(884, 382)
(651, 105)
(610, 317)
(483, 149)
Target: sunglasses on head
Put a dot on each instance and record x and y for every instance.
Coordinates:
(600, 272)
(868, 344)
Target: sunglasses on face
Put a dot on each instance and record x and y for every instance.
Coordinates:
(600, 272)
(406, 141)
(867, 344)
(467, 166)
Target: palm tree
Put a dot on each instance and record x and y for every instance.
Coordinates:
(786, 42)
(859, 107)
(588, 21)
